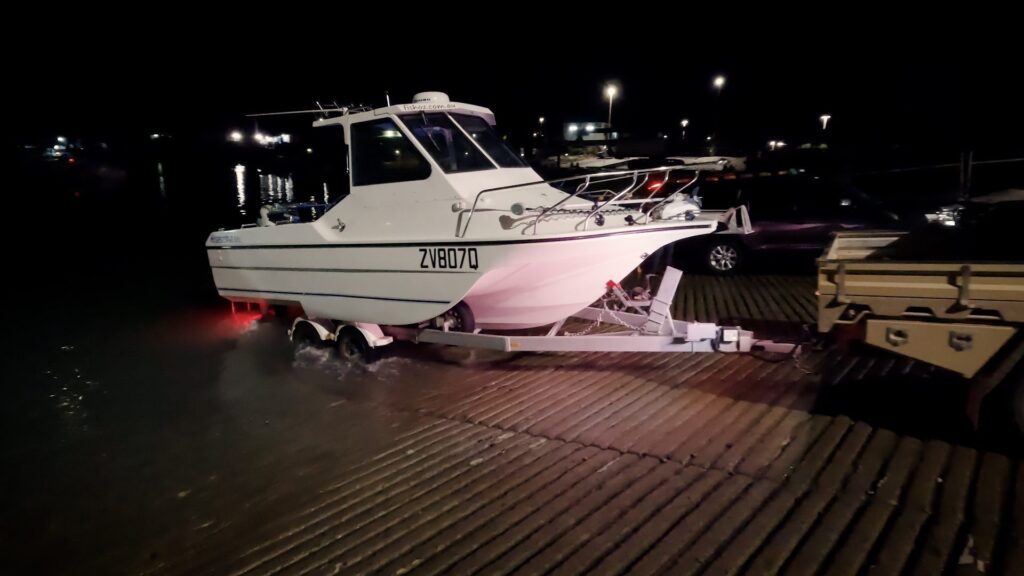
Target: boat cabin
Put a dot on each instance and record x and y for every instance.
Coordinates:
(442, 149)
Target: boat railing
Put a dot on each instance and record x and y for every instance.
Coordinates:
(645, 189)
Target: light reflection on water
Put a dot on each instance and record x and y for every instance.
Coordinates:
(160, 174)
(273, 189)
(240, 186)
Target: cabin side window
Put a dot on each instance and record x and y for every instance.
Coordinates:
(381, 154)
(327, 163)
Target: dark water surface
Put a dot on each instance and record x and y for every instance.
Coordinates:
(137, 411)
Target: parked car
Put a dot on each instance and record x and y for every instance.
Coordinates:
(787, 214)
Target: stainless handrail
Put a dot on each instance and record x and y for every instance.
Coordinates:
(587, 180)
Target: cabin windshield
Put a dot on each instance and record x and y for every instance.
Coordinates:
(440, 135)
(445, 143)
(485, 137)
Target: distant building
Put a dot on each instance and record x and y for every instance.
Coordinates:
(588, 132)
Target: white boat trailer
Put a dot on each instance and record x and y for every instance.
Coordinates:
(649, 328)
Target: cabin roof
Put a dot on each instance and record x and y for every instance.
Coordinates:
(348, 118)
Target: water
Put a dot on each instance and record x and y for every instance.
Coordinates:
(136, 409)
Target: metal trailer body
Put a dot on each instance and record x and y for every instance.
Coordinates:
(648, 328)
(951, 314)
(966, 317)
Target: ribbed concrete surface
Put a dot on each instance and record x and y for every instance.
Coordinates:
(647, 464)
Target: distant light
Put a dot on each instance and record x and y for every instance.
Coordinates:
(391, 134)
(684, 123)
(573, 127)
(259, 137)
(397, 152)
(665, 136)
(718, 82)
(824, 120)
(781, 144)
(534, 134)
(235, 136)
(309, 150)
(589, 127)
(286, 138)
(540, 120)
(154, 136)
(62, 140)
(611, 90)
(708, 138)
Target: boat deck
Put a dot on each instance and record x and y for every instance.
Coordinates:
(641, 464)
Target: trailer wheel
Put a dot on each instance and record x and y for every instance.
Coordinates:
(1002, 416)
(353, 347)
(460, 316)
(305, 335)
(1017, 404)
(723, 257)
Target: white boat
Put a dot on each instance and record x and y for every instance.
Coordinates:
(443, 216)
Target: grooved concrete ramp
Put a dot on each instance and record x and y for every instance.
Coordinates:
(644, 464)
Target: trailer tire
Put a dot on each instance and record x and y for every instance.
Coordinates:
(305, 335)
(1002, 416)
(461, 316)
(1017, 404)
(353, 347)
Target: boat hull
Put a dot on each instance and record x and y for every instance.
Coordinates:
(518, 283)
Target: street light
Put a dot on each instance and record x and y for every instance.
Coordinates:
(235, 136)
(683, 124)
(610, 91)
(540, 120)
(718, 82)
(824, 120)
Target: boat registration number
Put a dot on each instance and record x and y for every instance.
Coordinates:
(449, 258)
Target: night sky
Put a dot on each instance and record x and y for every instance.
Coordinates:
(887, 82)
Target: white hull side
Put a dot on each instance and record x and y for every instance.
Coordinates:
(381, 285)
(540, 283)
(515, 284)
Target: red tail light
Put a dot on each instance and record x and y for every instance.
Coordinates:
(655, 185)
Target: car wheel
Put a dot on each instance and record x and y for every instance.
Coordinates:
(723, 257)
